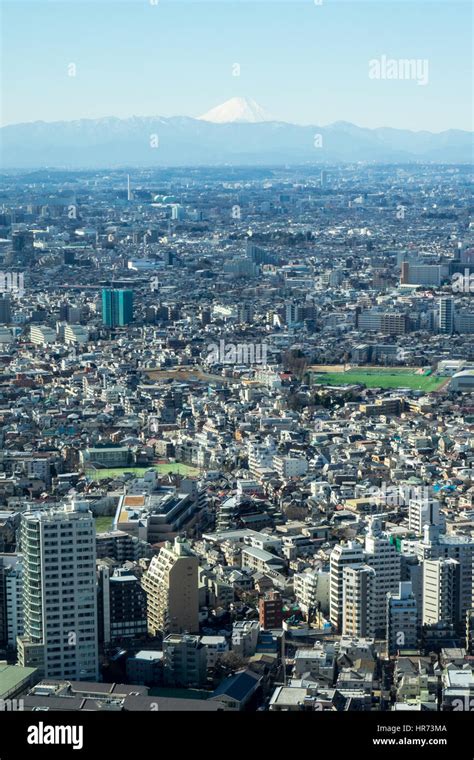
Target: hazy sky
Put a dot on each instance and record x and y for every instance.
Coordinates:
(301, 61)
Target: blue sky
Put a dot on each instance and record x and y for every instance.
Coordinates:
(302, 62)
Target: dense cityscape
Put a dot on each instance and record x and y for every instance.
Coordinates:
(237, 439)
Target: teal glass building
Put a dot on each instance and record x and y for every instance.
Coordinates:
(117, 307)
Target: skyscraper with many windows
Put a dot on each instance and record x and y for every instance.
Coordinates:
(402, 619)
(350, 554)
(59, 593)
(446, 315)
(117, 307)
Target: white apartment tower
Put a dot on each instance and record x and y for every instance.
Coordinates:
(402, 631)
(260, 455)
(441, 591)
(343, 555)
(358, 601)
(385, 560)
(59, 592)
(437, 545)
(171, 585)
(421, 512)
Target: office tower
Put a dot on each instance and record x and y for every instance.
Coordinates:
(59, 592)
(270, 610)
(324, 178)
(22, 240)
(385, 559)
(63, 309)
(205, 316)
(423, 274)
(358, 596)
(446, 315)
(441, 591)
(184, 661)
(343, 555)
(423, 511)
(402, 619)
(293, 313)
(122, 605)
(11, 600)
(335, 278)
(171, 585)
(245, 313)
(117, 307)
(74, 314)
(129, 192)
(5, 310)
(178, 213)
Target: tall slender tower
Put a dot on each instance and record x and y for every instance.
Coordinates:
(129, 192)
(350, 554)
(385, 560)
(446, 315)
(59, 593)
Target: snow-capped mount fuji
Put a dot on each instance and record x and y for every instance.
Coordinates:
(236, 111)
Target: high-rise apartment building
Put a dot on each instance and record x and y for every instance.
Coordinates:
(41, 335)
(379, 554)
(5, 310)
(441, 592)
(437, 545)
(11, 600)
(402, 619)
(446, 315)
(343, 555)
(421, 512)
(121, 605)
(171, 584)
(59, 592)
(358, 601)
(383, 556)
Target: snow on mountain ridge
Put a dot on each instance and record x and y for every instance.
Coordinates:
(236, 110)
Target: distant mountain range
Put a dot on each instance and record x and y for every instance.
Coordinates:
(237, 132)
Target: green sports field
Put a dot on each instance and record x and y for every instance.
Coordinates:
(174, 467)
(103, 523)
(390, 378)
